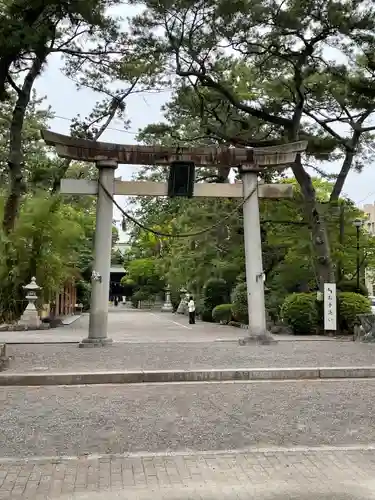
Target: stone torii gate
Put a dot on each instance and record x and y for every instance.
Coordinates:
(108, 156)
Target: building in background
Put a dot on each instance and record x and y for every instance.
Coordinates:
(123, 240)
(117, 270)
(370, 222)
(369, 210)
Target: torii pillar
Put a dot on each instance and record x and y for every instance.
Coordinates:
(107, 156)
(102, 257)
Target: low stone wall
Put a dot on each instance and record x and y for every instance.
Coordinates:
(272, 328)
(364, 330)
(22, 328)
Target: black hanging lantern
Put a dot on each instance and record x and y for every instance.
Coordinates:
(181, 179)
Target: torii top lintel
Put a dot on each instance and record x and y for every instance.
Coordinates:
(92, 151)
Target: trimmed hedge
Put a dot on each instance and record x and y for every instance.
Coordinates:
(304, 314)
(206, 314)
(222, 313)
(350, 304)
(239, 304)
(215, 292)
(300, 312)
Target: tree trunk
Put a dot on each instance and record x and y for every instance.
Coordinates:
(321, 255)
(346, 165)
(15, 158)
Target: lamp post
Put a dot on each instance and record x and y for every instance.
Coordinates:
(358, 224)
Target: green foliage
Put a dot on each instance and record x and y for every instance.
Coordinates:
(45, 243)
(350, 304)
(117, 258)
(259, 88)
(274, 300)
(304, 314)
(351, 286)
(146, 275)
(222, 313)
(129, 286)
(288, 250)
(206, 314)
(83, 289)
(140, 296)
(97, 54)
(300, 312)
(239, 304)
(215, 292)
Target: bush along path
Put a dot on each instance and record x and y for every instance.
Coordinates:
(299, 313)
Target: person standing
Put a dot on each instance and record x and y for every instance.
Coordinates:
(191, 309)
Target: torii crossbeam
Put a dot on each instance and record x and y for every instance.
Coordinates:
(108, 156)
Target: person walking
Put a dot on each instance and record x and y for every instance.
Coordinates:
(191, 309)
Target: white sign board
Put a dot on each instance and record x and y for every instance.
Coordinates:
(330, 312)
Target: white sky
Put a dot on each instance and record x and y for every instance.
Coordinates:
(142, 109)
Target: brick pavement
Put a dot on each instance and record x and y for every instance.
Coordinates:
(265, 473)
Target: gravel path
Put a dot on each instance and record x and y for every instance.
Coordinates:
(65, 357)
(116, 419)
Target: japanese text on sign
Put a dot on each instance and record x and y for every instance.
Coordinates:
(330, 313)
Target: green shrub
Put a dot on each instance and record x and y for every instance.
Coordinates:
(215, 292)
(206, 314)
(304, 314)
(139, 296)
(83, 294)
(349, 305)
(222, 313)
(300, 312)
(239, 304)
(274, 299)
(351, 286)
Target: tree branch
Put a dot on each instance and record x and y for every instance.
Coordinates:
(346, 166)
(13, 84)
(254, 143)
(114, 106)
(367, 129)
(207, 81)
(326, 127)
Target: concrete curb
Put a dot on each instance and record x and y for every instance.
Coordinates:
(59, 459)
(69, 320)
(165, 376)
(31, 341)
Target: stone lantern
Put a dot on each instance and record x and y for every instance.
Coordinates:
(30, 317)
(168, 306)
(183, 302)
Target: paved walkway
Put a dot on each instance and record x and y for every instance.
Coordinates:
(273, 474)
(137, 326)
